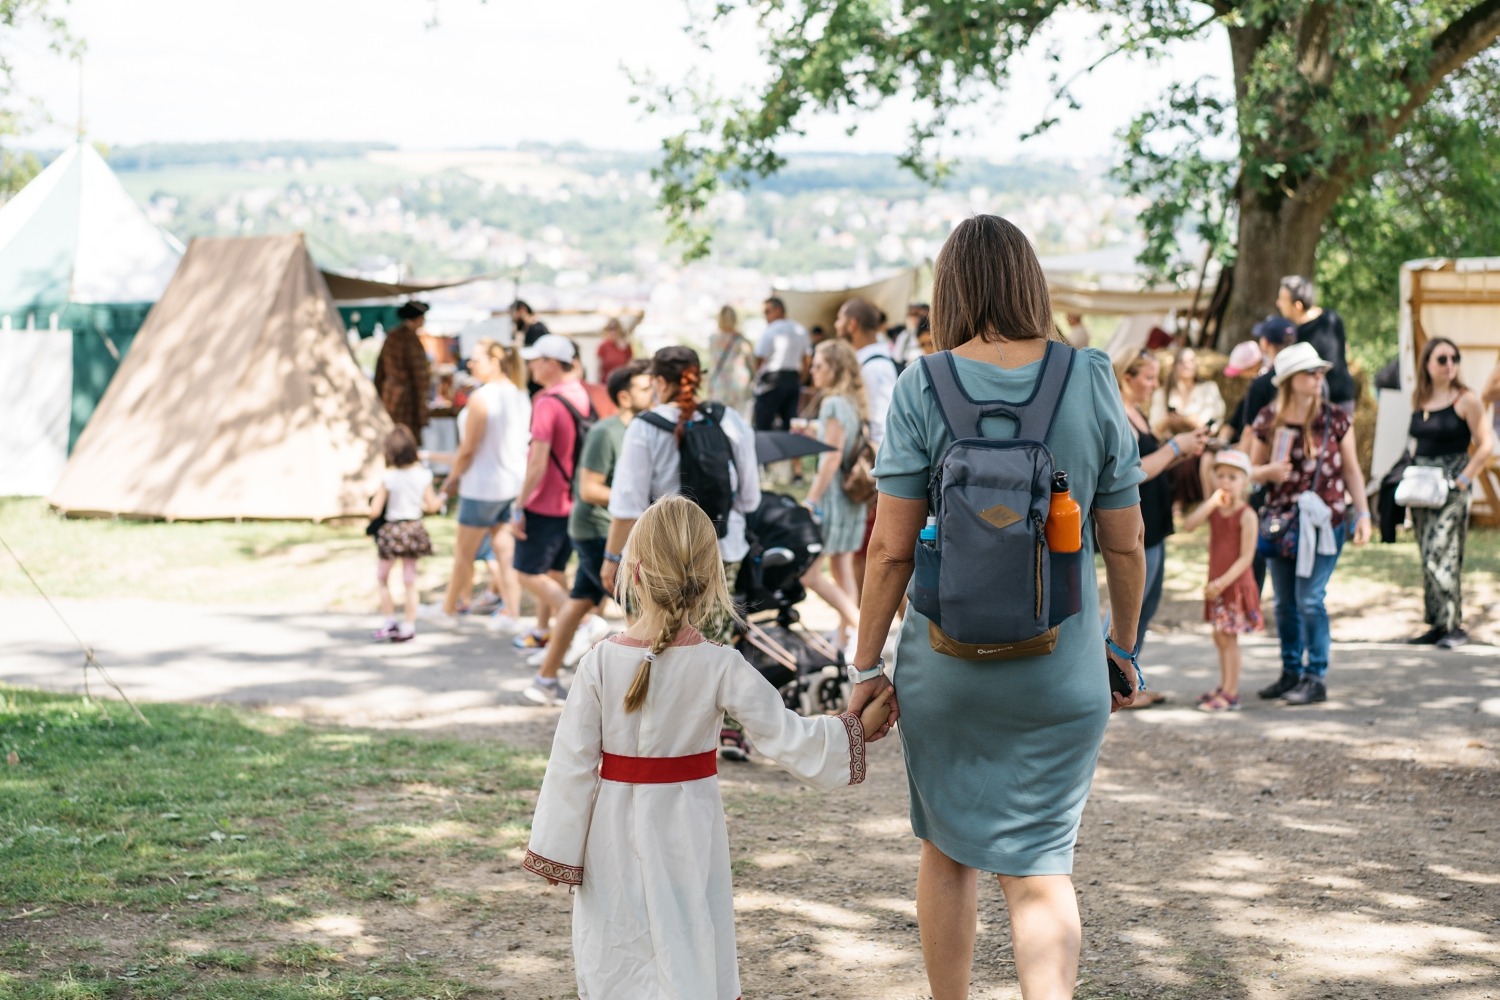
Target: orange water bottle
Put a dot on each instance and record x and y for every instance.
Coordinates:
(1064, 517)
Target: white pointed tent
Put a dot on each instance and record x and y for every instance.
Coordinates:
(240, 399)
(77, 251)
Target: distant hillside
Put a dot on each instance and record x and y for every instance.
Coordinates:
(156, 155)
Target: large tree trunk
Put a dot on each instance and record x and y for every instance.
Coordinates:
(1278, 236)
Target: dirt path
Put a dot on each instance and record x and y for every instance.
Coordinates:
(1346, 850)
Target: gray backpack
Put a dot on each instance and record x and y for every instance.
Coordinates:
(984, 579)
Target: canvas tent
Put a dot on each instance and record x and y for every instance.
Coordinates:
(1458, 299)
(80, 264)
(819, 308)
(240, 399)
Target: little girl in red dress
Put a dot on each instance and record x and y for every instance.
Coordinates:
(1231, 600)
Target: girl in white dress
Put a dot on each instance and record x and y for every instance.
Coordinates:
(629, 810)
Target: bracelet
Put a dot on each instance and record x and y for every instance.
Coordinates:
(1177, 448)
(1129, 657)
(1463, 481)
(1361, 514)
(613, 557)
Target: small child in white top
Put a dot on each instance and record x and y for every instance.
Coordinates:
(629, 810)
(396, 522)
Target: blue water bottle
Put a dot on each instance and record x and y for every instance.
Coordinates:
(924, 591)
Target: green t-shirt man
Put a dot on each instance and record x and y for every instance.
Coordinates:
(601, 449)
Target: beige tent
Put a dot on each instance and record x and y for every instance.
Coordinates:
(891, 295)
(239, 399)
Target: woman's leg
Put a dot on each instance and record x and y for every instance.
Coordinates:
(1283, 573)
(1443, 561)
(504, 544)
(831, 592)
(947, 915)
(461, 581)
(1312, 608)
(1156, 557)
(1045, 934)
(1424, 525)
(841, 565)
(409, 577)
(383, 578)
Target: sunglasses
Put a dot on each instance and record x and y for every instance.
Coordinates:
(1446, 359)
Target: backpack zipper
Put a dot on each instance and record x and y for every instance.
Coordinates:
(1037, 521)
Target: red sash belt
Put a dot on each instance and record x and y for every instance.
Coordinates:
(659, 770)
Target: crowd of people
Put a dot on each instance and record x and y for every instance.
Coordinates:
(651, 500)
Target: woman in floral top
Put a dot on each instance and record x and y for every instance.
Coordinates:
(1313, 483)
(732, 373)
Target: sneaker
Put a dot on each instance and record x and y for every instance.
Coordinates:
(404, 633)
(545, 692)
(503, 624)
(535, 659)
(531, 640)
(487, 604)
(1428, 638)
(384, 633)
(1283, 684)
(1458, 637)
(1309, 691)
(435, 614)
(590, 630)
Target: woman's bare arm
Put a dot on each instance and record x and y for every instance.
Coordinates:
(1122, 536)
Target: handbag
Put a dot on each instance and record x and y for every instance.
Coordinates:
(1422, 486)
(858, 470)
(376, 523)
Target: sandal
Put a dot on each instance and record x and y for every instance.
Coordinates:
(1221, 703)
(1147, 699)
(1208, 696)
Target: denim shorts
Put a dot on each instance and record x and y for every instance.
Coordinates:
(588, 582)
(545, 547)
(483, 513)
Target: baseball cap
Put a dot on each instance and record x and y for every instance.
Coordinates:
(1235, 459)
(1245, 357)
(552, 345)
(1274, 329)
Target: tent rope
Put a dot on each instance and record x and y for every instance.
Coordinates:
(88, 652)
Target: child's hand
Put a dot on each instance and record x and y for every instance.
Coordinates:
(873, 716)
(1222, 498)
(1213, 590)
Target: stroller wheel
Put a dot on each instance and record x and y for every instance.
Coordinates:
(829, 690)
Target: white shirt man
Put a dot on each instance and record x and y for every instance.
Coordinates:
(859, 323)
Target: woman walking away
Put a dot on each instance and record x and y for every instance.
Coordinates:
(731, 380)
(1231, 600)
(999, 755)
(1447, 417)
(841, 417)
(486, 476)
(629, 810)
(1136, 376)
(1304, 451)
(405, 493)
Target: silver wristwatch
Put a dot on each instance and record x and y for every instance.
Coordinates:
(857, 676)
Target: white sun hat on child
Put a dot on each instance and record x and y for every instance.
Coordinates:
(1234, 459)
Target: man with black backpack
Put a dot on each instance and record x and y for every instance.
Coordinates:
(561, 416)
(702, 450)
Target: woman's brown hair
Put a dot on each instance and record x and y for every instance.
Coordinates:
(1315, 410)
(673, 578)
(987, 283)
(1423, 391)
(400, 447)
(845, 380)
(679, 366)
(506, 357)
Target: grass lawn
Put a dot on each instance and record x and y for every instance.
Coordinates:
(223, 562)
(205, 855)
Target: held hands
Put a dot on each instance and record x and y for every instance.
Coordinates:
(865, 692)
(873, 716)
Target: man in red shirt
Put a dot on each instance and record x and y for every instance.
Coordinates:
(540, 520)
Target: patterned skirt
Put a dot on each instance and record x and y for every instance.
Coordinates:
(402, 540)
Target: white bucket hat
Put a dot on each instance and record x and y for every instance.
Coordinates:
(1235, 459)
(1297, 358)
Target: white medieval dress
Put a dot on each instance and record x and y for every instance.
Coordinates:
(630, 813)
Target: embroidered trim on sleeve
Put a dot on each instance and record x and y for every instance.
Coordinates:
(856, 747)
(547, 868)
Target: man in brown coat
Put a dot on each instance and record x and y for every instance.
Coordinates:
(403, 375)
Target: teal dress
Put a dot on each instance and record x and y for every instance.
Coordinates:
(1000, 754)
(843, 520)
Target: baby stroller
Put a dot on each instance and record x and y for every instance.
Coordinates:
(806, 668)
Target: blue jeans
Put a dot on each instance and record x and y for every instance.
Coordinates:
(1156, 560)
(1301, 618)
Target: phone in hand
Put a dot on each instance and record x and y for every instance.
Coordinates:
(1118, 682)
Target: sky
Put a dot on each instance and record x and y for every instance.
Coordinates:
(465, 73)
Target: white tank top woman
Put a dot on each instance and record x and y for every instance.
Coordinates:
(500, 461)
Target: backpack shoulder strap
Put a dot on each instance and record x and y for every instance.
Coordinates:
(1033, 416)
(658, 421)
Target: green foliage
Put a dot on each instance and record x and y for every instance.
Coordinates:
(156, 155)
(16, 169)
(1436, 194)
(1320, 91)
